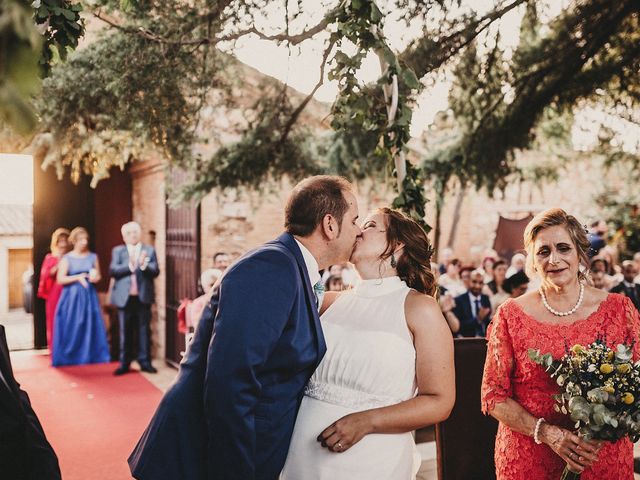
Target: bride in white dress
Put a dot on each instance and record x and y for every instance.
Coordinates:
(388, 369)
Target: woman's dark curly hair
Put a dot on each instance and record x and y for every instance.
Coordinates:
(414, 264)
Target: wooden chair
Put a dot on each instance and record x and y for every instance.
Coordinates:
(465, 441)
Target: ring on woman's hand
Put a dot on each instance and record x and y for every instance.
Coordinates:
(339, 446)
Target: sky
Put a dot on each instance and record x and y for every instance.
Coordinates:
(16, 181)
(299, 66)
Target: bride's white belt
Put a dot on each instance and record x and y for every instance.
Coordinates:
(347, 397)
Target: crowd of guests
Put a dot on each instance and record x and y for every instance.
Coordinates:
(76, 332)
(471, 292)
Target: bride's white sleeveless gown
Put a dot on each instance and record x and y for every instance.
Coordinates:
(370, 363)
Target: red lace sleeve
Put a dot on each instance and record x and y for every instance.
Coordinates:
(498, 367)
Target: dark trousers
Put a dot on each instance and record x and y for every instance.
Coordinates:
(135, 314)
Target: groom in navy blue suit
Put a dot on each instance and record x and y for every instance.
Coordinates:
(231, 411)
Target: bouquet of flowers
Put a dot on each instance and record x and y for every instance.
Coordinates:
(599, 390)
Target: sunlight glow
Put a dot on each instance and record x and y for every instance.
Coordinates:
(16, 181)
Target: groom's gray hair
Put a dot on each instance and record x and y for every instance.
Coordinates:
(312, 199)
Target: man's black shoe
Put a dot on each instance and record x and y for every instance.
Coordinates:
(148, 369)
(121, 370)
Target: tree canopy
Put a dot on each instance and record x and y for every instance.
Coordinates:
(148, 76)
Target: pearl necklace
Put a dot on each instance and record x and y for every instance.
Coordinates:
(563, 314)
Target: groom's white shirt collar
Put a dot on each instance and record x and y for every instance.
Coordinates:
(310, 262)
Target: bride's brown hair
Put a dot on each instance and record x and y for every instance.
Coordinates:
(414, 263)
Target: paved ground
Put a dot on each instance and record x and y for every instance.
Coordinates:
(18, 326)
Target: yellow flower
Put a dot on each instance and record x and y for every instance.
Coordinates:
(623, 368)
(606, 368)
(610, 355)
(577, 349)
(628, 398)
(609, 389)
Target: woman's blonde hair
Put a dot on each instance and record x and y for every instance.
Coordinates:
(76, 232)
(557, 217)
(55, 237)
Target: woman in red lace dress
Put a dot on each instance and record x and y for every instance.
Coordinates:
(518, 392)
(48, 288)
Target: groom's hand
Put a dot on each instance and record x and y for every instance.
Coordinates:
(346, 432)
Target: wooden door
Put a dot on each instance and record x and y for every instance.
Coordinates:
(19, 262)
(182, 268)
(56, 203)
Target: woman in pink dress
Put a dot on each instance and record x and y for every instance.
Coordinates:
(49, 289)
(535, 442)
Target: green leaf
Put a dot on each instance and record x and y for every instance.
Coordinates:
(410, 79)
(69, 14)
(376, 14)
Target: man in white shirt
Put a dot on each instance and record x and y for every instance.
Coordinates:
(134, 266)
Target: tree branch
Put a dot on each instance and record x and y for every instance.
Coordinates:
(280, 37)
(296, 113)
(414, 56)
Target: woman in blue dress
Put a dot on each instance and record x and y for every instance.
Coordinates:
(79, 335)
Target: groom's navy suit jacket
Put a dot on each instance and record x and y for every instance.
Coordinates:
(231, 411)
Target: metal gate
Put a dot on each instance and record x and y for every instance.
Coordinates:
(182, 267)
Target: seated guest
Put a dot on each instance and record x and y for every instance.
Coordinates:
(517, 263)
(194, 309)
(451, 279)
(334, 284)
(447, 304)
(465, 276)
(636, 260)
(446, 258)
(487, 268)
(473, 308)
(628, 286)
(517, 284)
(598, 280)
(596, 237)
(494, 289)
(332, 271)
(221, 260)
(25, 453)
(601, 265)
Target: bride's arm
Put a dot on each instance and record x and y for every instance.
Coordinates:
(435, 377)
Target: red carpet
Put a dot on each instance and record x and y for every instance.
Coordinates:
(92, 419)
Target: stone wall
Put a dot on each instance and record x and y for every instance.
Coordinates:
(236, 224)
(148, 192)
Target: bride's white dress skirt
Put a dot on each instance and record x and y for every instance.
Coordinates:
(375, 457)
(370, 363)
